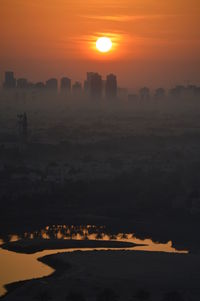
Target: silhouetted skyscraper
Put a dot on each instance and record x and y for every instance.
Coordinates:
(22, 83)
(39, 86)
(89, 75)
(87, 83)
(160, 93)
(52, 84)
(144, 93)
(178, 91)
(65, 85)
(77, 89)
(86, 87)
(111, 86)
(10, 81)
(95, 85)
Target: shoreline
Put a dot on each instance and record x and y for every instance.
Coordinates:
(55, 260)
(63, 262)
(30, 246)
(52, 261)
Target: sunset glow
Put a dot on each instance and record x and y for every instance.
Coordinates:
(104, 44)
(151, 34)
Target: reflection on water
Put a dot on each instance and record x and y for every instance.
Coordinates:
(95, 233)
(17, 267)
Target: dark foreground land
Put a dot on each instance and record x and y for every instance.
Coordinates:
(133, 168)
(114, 275)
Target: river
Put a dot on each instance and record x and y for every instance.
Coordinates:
(16, 267)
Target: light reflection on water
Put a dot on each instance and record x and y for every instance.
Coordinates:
(17, 267)
(92, 232)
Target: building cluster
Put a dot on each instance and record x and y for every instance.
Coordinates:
(177, 92)
(95, 87)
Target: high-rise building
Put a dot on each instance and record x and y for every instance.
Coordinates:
(22, 83)
(77, 89)
(177, 92)
(10, 81)
(87, 83)
(52, 84)
(65, 85)
(95, 85)
(159, 93)
(111, 86)
(39, 86)
(86, 87)
(89, 75)
(144, 93)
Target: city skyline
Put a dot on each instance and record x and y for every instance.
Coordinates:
(95, 86)
(154, 45)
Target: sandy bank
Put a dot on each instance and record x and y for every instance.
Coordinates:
(125, 272)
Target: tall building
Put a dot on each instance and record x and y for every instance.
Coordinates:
(111, 86)
(52, 84)
(86, 87)
(95, 85)
(39, 86)
(10, 81)
(22, 83)
(87, 83)
(144, 93)
(159, 93)
(77, 89)
(177, 92)
(65, 85)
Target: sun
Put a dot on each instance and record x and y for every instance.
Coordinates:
(104, 44)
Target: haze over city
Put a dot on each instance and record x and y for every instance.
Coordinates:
(99, 150)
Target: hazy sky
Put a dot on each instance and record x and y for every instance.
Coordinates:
(156, 42)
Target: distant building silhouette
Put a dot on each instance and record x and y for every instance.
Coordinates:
(87, 83)
(9, 81)
(177, 92)
(39, 85)
(77, 89)
(22, 83)
(95, 85)
(111, 86)
(89, 76)
(65, 85)
(191, 90)
(159, 93)
(144, 93)
(86, 87)
(52, 84)
(197, 91)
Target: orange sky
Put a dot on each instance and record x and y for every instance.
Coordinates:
(156, 42)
